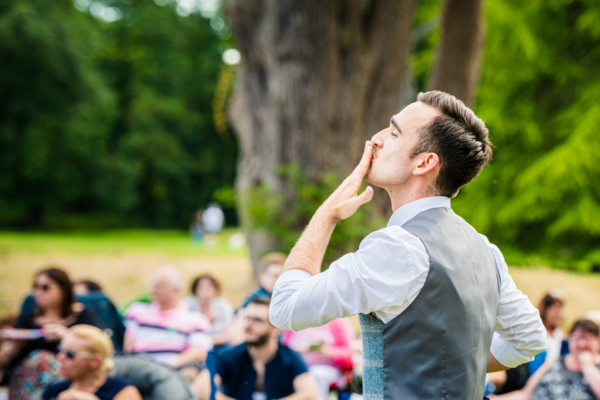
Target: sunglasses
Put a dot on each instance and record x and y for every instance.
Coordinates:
(44, 288)
(71, 354)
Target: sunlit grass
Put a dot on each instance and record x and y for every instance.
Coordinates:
(123, 261)
(112, 242)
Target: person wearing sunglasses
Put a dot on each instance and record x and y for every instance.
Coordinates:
(85, 357)
(575, 376)
(31, 364)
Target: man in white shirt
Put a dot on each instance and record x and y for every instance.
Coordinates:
(436, 303)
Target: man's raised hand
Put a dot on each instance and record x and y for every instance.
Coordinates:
(344, 202)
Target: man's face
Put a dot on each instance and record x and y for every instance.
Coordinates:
(269, 276)
(392, 166)
(257, 328)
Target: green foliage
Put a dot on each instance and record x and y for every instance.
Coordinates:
(55, 112)
(286, 213)
(539, 98)
(108, 122)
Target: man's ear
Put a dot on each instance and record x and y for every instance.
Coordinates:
(426, 162)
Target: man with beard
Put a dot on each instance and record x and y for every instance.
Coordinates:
(259, 368)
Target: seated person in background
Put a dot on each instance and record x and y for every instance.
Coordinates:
(83, 287)
(260, 368)
(551, 313)
(575, 376)
(166, 329)
(89, 293)
(84, 357)
(327, 351)
(269, 269)
(206, 300)
(31, 363)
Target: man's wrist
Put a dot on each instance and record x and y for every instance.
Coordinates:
(326, 215)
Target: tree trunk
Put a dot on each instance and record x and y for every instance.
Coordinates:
(317, 79)
(456, 68)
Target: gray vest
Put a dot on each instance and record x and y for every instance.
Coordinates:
(438, 347)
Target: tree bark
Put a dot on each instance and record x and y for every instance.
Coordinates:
(456, 68)
(317, 79)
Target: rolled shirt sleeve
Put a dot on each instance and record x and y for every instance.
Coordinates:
(383, 276)
(520, 333)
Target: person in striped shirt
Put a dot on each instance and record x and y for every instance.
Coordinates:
(166, 329)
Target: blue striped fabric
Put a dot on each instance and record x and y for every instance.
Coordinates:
(372, 337)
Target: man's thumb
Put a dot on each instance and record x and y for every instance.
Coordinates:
(367, 195)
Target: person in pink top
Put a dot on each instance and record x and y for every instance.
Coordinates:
(167, 330)
(326, 350)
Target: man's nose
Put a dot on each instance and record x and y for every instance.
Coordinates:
(377, 140)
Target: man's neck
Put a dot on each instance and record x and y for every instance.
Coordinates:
(263, 353)
(400, 196)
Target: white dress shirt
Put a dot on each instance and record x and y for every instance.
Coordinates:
(385, 275)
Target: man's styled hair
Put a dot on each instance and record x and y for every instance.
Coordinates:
(458, 137)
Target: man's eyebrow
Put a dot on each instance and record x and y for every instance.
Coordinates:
(395, 125)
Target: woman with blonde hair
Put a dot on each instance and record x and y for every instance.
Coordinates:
(85, 356)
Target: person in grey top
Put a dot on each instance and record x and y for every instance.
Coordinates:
(436, 304)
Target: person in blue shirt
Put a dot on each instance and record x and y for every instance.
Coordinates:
(260, 368)
(269, 270)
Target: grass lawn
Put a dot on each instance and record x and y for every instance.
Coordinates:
(123, 261)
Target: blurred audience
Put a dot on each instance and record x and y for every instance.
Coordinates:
(206, 299)
(575, 376)
(213, 218)
(327, 351)
(197, 231)
(551, 313)
(166, 329)
(90, 294)
(259, 368)
(84, 287)
(85, 357)
(30, 362)
(269, 269)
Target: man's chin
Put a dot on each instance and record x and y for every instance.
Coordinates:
(371, 180)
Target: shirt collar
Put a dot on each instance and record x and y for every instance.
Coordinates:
(410, 210)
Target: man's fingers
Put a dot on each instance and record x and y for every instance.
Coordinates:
(365, 161)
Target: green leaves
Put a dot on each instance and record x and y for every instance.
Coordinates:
(539, 98)
(101, 118)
